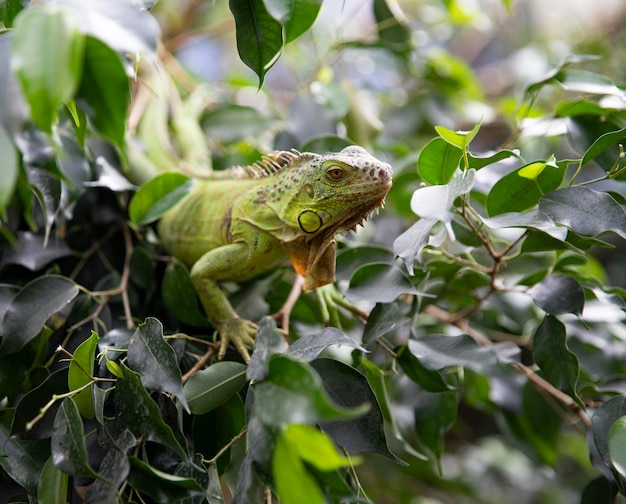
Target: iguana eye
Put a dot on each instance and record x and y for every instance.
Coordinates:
(335, 172)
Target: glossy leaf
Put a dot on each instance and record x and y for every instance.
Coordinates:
(350, 389)
(140, 413)
(557, 362)
(438, 161)
(33, 253)
(81, 372)
(155, 361)
(558, 294)
(209, 388)
(383, 319)
(533, 219)
(601, 144)
(293, 392)
(477, 162)
(524, 187)
(617, 445)
(436, 202)
(602, 420)
(434, 416)
(409, 246)
(259, 35)
(296, 16)
(32, 306)
(69, 451)
(104, 91)
(49, 73)
(157, 196)
(585, 211)
(460, 139)
(267, 342)
(52, 487)
(380, 282)
(310, 346)
(429, 380)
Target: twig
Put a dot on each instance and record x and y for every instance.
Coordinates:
(227, 446)
(200, 364)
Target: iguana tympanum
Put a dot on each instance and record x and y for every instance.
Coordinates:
(290, 204)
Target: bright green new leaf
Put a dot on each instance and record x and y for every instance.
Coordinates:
(460, 139)
(47, 57)
(291, 478)
(209, 388)
(438, 161)
(259, 35)
(10, 168)
(81, 373)
(157, 196)
(315, 448)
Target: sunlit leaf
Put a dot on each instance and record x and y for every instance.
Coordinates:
(409, 246)
(533, 219)
(10, 167)
(157, 196)
(460, 139)
(155, 361)
(310, 346)
(296, 16)
(32, 306)
(380, 282)
(81, 373)
(438, 161)
(214, 385)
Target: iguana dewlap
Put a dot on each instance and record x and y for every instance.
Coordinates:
(290, 204)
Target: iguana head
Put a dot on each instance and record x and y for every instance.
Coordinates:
(317, 196)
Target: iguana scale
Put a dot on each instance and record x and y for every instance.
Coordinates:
(290, 204)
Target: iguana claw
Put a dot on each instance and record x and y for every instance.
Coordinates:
(240, 332)
(329, 298)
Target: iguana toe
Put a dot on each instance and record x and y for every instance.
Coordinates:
(240, 333)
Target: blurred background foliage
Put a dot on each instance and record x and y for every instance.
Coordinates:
(382, 74)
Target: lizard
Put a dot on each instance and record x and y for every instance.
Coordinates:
(288, 205)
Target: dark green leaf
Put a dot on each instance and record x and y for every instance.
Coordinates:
(478, 162)
(293, 392)
(311, 346)
(214, 385)
(575, 79)
(32, 306)
(155, 361)
(380, 282)
(558, 294)
(558, 363)
(104, 91)
(140, 413)
(435, 414)
(81, 372)
(602, 143)
(617, 445)
(602, 420)
(47, 189)
(349, 388)
(33, 253)
(267, 342)
(69, 452)
(383, 319)
(9, 9)
(297, 16)
(157, 196)
(394, 34)
(598, 490)
(52, 487)
(179, 295)
(438, 161)
(585, 211)
(22, 459)
(259, 35)
(524, 187)
(49, 73)
(429, 380)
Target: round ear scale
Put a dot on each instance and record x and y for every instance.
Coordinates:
(309, 221)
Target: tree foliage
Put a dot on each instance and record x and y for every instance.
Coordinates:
(493, 355)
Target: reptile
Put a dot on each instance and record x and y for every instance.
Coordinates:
(288, 205)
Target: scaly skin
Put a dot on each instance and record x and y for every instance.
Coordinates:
(235, 228)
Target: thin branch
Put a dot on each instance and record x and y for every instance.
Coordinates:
(202, 361)
(228, 445)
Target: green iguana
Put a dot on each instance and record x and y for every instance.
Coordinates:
(290, 204)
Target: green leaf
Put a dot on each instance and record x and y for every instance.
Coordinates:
(394, 34)
(140, 413)
(409, 246)
(296, 16)
(460, 139)
(438, 161)
(381, 283)
(558, 363)
(602, 143)
(259, 35)
(533, 219)
(291, 478)
(209, 388)
(81, 372)
(429, 380)
(9, 9)
(558, 294)
(436, 202)
(585, 211)
(104, 91)
(293, 392)
(478, 162)
(383, 319)
(48, 73)
(69, 452)
(35, 303)
(52, 486)
(310, 346)
(602, 420)
(435, 414)
(617, 445)
(179, 295)
(155, 361)
(157, 196)
(584, 81)
(267, 342)
(524, 187)
(315, 448)
(350, 389)
(10, 168)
